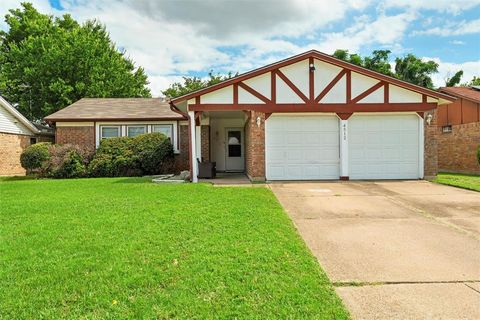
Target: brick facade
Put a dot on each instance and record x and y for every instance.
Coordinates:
(255, 147)
(205, 141)
(457, 150)
(182, 159)
(431, 146)
(83, 137)
(11, 147)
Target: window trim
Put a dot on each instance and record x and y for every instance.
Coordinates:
(109, 126)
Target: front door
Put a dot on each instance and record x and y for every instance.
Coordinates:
(234, 153)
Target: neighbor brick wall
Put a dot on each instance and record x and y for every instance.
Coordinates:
(80, 136)
(11, 147)
(255, 147)
(182, 159)
(457, 151)
(205, 140)
(431, 146)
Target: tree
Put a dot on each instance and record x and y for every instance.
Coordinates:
(191, 84)
(455, 80)
(377, 62)
(474, 82)
(415, 70)
(47, 63)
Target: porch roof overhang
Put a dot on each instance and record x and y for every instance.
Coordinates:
(312, 103)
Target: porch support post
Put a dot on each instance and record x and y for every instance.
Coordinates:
(193, 146)
(344, 150)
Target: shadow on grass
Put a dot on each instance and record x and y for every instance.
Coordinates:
(134, 180)
(17, 178)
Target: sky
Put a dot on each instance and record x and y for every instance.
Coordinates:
(171, 39)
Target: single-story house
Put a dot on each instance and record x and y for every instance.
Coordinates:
(17, 133)
(308, 117)
(89, 120)
(312, 117)
(459, 131)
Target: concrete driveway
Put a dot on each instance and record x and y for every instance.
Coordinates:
(394, 250)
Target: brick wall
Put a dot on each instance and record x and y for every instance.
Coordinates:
(205, 139)
(255, 147)
(11, 147)
(431, 146)
(182, 159)
(80, 136)
(457, 151)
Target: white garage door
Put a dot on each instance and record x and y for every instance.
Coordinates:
(302, 147)
(383, 147)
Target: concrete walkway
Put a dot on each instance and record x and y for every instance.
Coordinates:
(394, 250)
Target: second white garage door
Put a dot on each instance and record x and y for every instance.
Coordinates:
(302, 147)
(384, 147)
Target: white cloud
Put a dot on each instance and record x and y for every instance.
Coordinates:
(447, 6)
(448, 69)
(453, 29)
(457, 42)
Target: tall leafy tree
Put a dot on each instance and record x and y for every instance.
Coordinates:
(474, 82)
(378, 61)
(454, 80)
(48, 63)
(191, 84)
(415, 70)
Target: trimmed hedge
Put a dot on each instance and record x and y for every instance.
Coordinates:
(33, 157)
(146, 154)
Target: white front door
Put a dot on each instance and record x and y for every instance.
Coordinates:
(302, 147)
(234, 153)
(384, 146)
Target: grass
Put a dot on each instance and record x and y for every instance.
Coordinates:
(465, 181)
(127, 248)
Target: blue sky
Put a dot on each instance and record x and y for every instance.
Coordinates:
(175, 38)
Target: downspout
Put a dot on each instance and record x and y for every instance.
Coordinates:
(174, 108)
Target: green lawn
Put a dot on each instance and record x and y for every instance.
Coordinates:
(459, 180)
(127, 248)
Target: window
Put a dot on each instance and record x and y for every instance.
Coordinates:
(33, 141)
(166, 129)
(234, 144)
(446, 129)
(133, 131)
(109, 132)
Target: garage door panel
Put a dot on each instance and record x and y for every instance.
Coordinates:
(384, 147)
(302, 147)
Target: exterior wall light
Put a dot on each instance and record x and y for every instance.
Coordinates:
(429, 118)
(259, 121)
(312, 67)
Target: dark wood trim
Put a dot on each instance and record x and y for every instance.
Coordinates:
(325, 58)
(116, 119)
(344, 116)
(386, 93)
(292, 86)
(235, 93)
(311, 81)
(267, 115)
(368, 92)
(253, 92)
(327, 107)
(421, 114)
(424, 98)
(349, 86)
(344, 178)
(332, 83)
(273, 86)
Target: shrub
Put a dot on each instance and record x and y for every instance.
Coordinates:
(478, 154)
(114, 158)
(33, 157)
(154, 152)
(66, 161)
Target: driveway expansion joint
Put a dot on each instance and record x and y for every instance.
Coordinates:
(477, 291)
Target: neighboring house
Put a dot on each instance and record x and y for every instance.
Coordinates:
(17, 133)
(459, 131)
(312, 117)
(86, 122)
